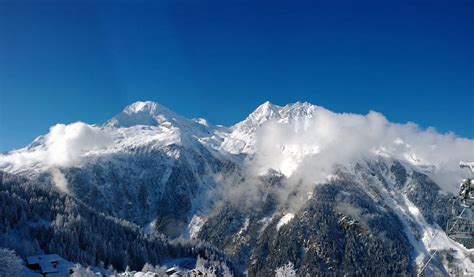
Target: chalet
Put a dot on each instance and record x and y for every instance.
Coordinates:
(49, 265)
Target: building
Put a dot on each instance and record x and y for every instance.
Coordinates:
(49, 265)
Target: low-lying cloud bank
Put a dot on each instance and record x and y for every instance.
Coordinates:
(307, 149)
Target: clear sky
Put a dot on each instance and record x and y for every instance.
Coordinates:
(66, 61)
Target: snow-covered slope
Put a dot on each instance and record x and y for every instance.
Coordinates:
(157, 168)
(144, 163)
(241, 137)
(297, 130)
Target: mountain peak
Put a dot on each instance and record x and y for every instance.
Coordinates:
(266, 105)
(298, 110)
(268, 111)
(145, 107)
(143, 113)
(263, 113)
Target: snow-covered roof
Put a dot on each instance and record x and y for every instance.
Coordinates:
(46, 262)
(43, 258)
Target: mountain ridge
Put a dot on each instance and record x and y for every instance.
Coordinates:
(231, 186)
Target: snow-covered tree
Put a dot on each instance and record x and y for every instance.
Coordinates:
(226, 271)
(79, 271)
(160, 270)
(110, 241)
(286, 271)
(148, 268)
(10, 263)
(201, 263)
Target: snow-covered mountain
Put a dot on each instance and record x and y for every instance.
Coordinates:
(281, 185)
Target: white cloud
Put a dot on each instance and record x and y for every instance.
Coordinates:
(67, 144)
(63, 146)
(307, 149)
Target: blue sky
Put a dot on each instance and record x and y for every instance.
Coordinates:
(66, 61)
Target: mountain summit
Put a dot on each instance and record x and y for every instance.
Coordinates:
(145, 113)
